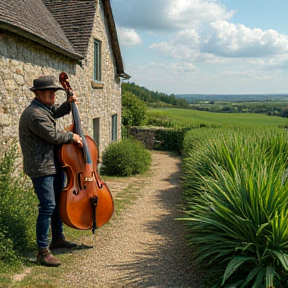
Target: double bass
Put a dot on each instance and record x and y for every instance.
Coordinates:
(86, 201)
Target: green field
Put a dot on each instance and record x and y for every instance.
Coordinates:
(196, 118)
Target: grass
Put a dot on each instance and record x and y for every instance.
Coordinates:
(189, 117)
(40, 276)
(236, 191)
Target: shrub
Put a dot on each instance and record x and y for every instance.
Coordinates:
(236, 191)
(18, 207)
(160, 119)
(133, 109)
(126, 158)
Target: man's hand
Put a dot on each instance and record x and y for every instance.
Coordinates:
(73, 99)
(77, 140)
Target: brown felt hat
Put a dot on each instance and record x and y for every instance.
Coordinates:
(46, 83)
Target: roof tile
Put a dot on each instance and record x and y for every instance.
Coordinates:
(31, 17)
(76, 18)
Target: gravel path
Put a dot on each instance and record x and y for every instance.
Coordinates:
(145, 246)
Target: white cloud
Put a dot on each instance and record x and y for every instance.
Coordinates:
(128, 36)
(160, 76)
(198, 28)
(279, 63)
(235, 40)
(176, 52)
(192, 13)
(223, 39)
(184, 45)
(167, 15)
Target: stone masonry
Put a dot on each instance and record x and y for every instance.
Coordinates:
(22, 60)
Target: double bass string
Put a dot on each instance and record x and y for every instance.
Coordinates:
(79, 131)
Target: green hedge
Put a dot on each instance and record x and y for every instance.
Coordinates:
(125, 158)
(169, 139)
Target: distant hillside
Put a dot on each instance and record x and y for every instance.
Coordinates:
(270, 104)
(191, 98)
(154, 99)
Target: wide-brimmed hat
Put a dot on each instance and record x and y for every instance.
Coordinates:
(46, 83)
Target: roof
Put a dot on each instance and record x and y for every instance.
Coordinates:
(114, 39)
(64, 26)
(76, 19)
(32, 20)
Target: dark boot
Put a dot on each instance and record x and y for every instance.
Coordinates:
(45, 257)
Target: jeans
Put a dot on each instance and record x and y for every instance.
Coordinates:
(48, 189)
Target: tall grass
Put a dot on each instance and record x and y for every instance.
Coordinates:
(236, 192)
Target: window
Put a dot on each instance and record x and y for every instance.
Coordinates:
(97, 60)
(114, 127)
(96, 129)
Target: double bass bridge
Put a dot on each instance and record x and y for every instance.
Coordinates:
(89, 179)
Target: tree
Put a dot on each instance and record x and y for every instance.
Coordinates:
(152, 98)
(133, 109)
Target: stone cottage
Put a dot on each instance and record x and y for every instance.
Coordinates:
(46, 37)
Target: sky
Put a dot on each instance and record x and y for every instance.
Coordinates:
(204, 46)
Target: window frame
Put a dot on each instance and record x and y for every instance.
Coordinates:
(114, 124)
(97, 65)
(96, 130)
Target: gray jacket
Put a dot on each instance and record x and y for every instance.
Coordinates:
(38, 136)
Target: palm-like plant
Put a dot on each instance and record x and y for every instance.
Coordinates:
(236, 192)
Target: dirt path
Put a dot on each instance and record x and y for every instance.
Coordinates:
(146, 246)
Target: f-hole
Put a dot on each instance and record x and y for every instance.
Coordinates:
(80, 181)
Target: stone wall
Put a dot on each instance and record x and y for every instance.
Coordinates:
(160, 138)
(22, 60)
(144, 135)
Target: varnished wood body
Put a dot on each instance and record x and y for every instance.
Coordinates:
(76, 208)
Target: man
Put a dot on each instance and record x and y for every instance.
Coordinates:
(38, 139)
